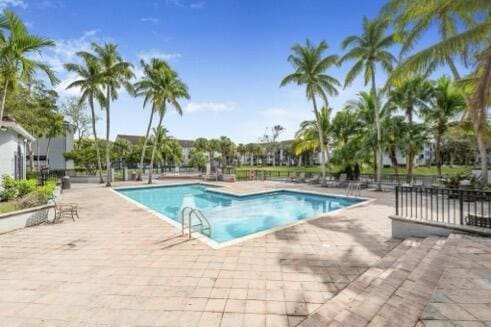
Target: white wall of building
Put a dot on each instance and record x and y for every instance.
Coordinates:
(58, 146)
(10, 144)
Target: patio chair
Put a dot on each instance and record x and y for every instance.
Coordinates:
(299, 179)
(315, 179)
(63, 210)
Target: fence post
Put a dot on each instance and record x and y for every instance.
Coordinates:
(397, 200)
(461, 207)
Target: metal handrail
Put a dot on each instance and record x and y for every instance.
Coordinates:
(352, 188)
(202, 220)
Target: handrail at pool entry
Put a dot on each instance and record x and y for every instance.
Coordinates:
(206, 230)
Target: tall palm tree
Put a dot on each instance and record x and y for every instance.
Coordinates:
(16, 49)
(475, 36)
(114, 73)
(167, 88)
(89, 84)
(411, 96)
(446, 103)
(395, 136)
(369, 51)
(122, 148)
(310, 69)
(146, 88)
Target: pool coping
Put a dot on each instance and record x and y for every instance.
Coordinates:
(217, 189)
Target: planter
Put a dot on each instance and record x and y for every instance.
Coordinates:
(24, 218)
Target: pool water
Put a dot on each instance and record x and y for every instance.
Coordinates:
(232, 216)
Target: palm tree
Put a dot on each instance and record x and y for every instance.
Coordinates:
(310, 68)
(167, 88)
(410, 97)
(123, 148)
(412, 20)
(369, 51)
(56, 127)
(364, 109)
(114, 73)
(446, 103)
(395, 136)
(16, 50)
(145, 87)
(307, 137)
(475, 36)
(89, 85)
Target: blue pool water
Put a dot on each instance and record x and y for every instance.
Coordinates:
(231, 216)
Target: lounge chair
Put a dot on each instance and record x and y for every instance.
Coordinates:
(299, 179)
(292, 178)
(478, 220)
(342, 181)
(315, 179)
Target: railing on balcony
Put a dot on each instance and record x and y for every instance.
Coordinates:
(448, 206)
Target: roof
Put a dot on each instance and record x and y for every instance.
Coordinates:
(134, 139)
(10, 124)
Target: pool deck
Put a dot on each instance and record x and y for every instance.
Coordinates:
(121, 265)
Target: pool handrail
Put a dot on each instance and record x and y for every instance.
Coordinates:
(202, 220)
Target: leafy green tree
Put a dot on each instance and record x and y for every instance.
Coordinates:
(395, 135)
(89, 83)
(75, 112)
(445, 105)
(201, 144)
(148, 87)
(113, 74)
(270, 140)
(227, 149)
(310, 67)
(197, 159)
(213, 146)
(369, 51)
(122, 149)
(16, 49)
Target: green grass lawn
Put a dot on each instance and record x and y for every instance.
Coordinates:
(417, 170)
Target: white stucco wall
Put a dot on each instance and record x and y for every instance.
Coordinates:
(9, 143)
(59, 145)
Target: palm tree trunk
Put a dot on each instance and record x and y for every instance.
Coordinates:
(321, 141)
(142, 159)
(4, 98)
(393, 160)
(47, 151)
(410, 150)
(379, 134)
(483, 153)
(438, 155)
(108, 127)
(154, 148)
(96, 141)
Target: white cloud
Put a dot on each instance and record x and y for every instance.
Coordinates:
(12, 3)
(197, 5)
(152, 20)
(154, 53)
(209, 106)
(66, 50)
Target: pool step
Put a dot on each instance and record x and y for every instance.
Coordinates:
(384, 292)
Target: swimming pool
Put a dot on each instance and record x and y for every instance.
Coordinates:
(233, 216)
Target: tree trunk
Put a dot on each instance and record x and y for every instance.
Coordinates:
(438, 154)
(410, 151)
(142, 159)
(108, 147)
(4, 98)
(96, 141)
(154, 148)
(379, 134)
(375, 165)
(483, 153)
(393, 161)
(321, 141)
(47, 151)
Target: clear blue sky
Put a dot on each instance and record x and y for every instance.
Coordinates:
(231, 53)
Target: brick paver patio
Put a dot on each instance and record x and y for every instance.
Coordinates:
(120, 265)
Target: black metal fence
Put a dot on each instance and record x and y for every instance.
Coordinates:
(443, 205)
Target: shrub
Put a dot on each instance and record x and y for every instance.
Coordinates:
(25, 186)
(9, 189)
(46, 191)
